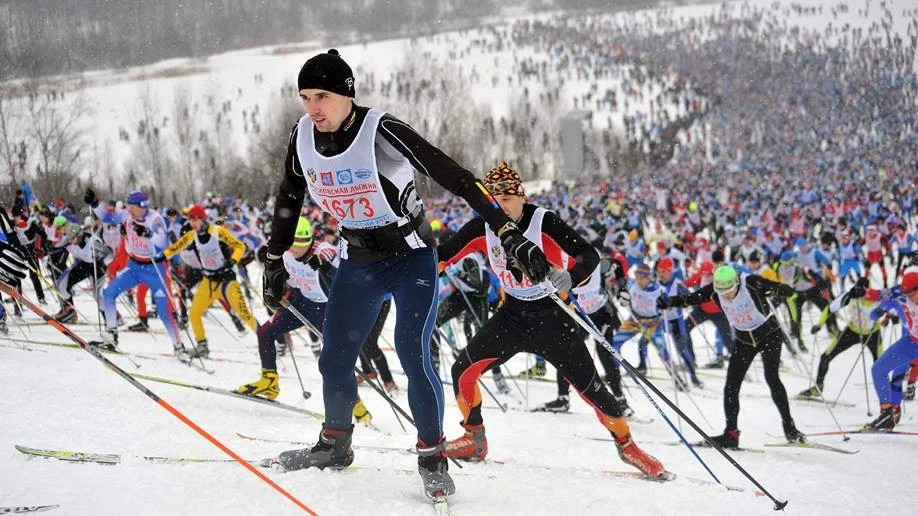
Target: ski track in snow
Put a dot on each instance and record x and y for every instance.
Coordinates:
(65, 399)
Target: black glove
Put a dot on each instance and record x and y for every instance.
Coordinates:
(784, 291)
(159, 258)
(857, 291)
(262, 253)
(272, 284)
(90, 198)
(663, 303)
(142, 231)
(314, 262)
(815, 329)
(12, 265)
(523, 256)
(894, 319)
(230, 262)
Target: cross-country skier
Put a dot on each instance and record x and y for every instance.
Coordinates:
(861, 329)
(889, 370)
(90, 260)
(358, 164)
(12, 261)
(744, 300)
(309, 269)
(531, 322)
(211, 243)
(145, 237)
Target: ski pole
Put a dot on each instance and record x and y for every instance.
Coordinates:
(95, 271)
(688, 392)
(150, 394)
(703, 336)
(452, 345)
(296, 313)
(376, 385)
(306, 394)
(863, 363)
(168, 293)
(479, 323)
(809, 374)
(850, 372)
(641, 381)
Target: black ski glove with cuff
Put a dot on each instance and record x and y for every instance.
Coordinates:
(272, 284)
(523, 256)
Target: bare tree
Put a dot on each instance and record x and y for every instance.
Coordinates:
(54, 129)
(186, 130)
(151, 147)
(11, 116)
(443, 111)
(268, 147)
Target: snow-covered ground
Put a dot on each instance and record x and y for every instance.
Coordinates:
(65, 399)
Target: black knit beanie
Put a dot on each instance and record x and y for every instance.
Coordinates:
(327, 72)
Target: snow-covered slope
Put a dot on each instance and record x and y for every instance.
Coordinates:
(59, 398)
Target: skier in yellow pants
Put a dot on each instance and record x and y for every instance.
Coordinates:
(211, 243)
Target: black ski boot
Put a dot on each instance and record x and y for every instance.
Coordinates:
(332, 451)
(813, 392)
(237, 322)
(141, 325)
(66, 315)
(433, 467)
(562, 404)
(717, 363)
(200, 350)
(729, 440)
(887, 420)
(791, 433)
(109, 341)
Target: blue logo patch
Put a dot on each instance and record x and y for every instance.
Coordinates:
(363, 174)
(344, 176)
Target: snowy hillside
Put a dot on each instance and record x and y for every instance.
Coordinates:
(236, 91)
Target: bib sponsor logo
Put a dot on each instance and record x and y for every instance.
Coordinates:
(327, 179)
(363, 174)
(311, 173)
(498, 253)
(345, 177)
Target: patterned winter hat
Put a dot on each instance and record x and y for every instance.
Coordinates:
(504, 180)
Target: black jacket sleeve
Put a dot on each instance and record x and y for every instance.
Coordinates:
(289, 200)
(466, 235)
(768, 287)
(585, 256)
(435, 164)
(705, 293)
